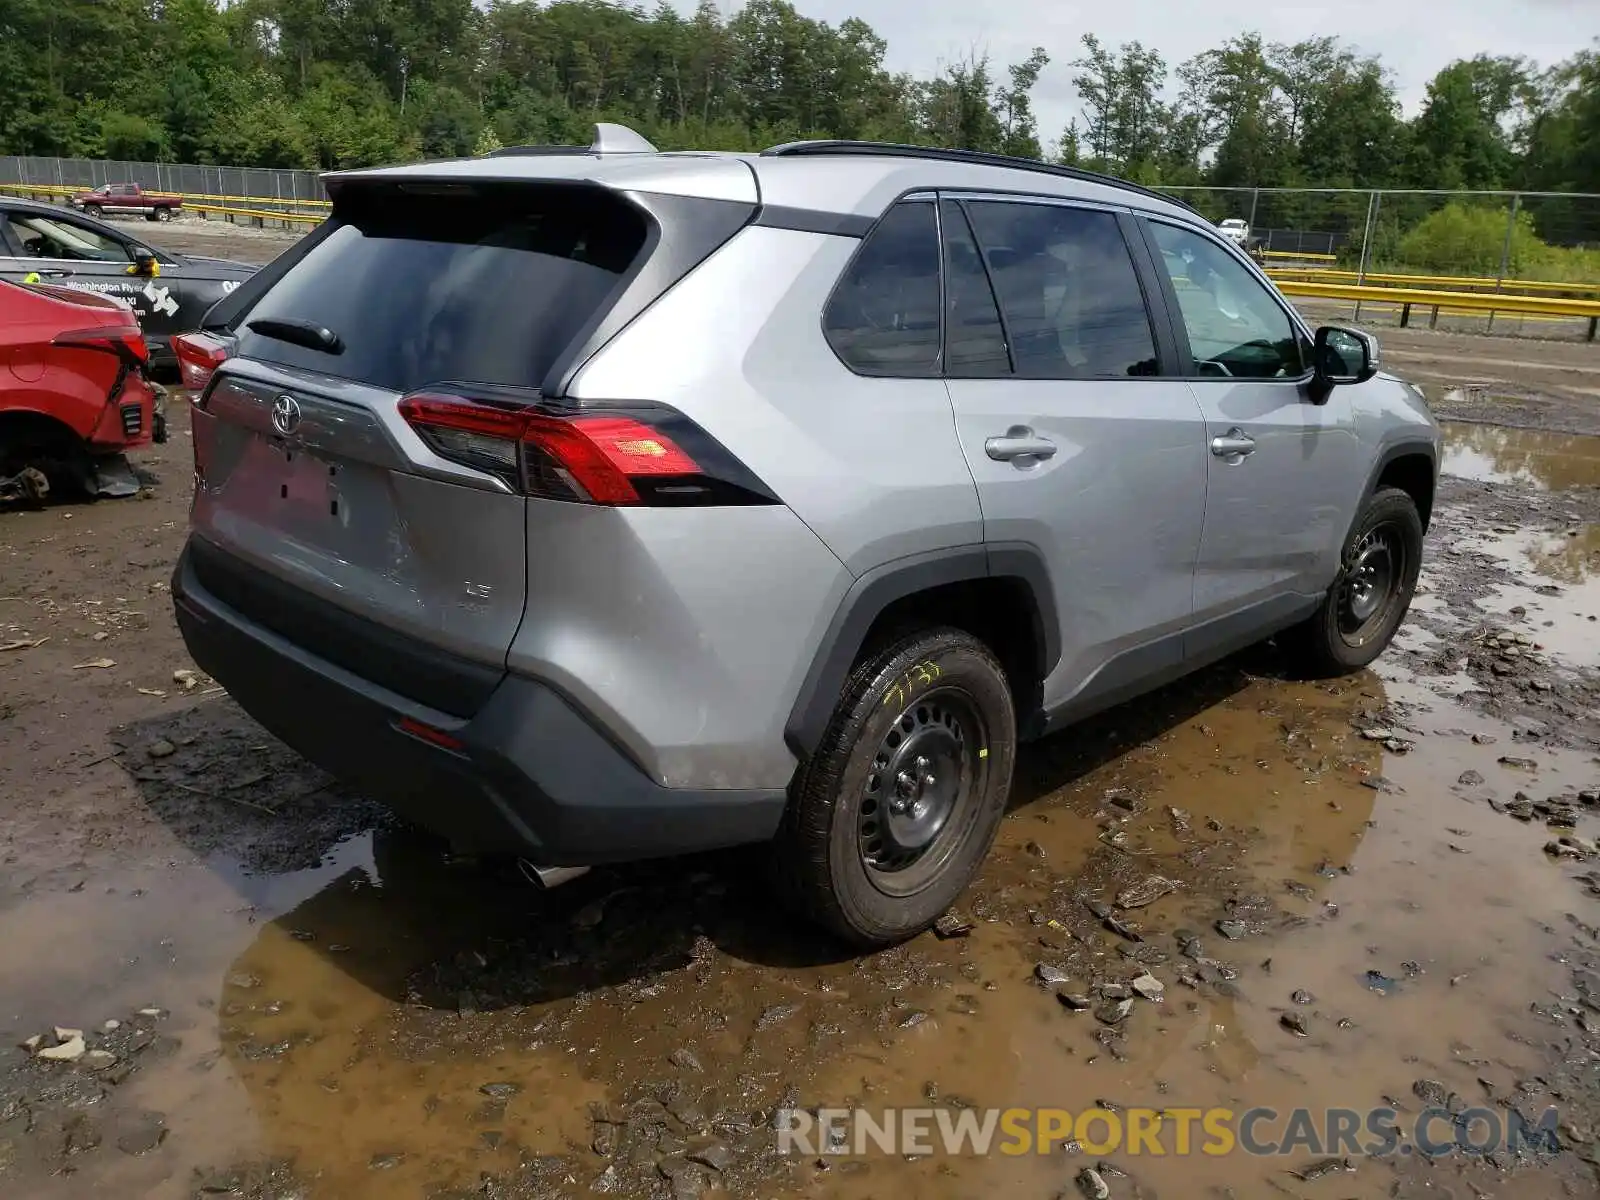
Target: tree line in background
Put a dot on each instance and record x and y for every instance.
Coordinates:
(342, 83)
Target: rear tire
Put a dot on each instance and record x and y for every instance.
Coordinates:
(889, 820)
(163, 214)
(1363, 609)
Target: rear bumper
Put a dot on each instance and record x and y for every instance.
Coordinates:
(532, 776)
(131, 421)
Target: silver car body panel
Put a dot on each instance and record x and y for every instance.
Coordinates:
(872, 465)
(685, 634)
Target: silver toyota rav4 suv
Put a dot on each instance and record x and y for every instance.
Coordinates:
(602, 504)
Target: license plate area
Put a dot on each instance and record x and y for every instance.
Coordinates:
(307, 483)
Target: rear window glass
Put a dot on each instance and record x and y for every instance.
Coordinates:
(486, 287)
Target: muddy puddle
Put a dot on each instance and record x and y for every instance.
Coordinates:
(391, 1024)
(1541, 458)
(1556, 589)
(1423, 883)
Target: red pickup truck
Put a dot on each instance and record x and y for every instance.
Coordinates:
(113, 198)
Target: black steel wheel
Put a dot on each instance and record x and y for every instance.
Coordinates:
(890, 819)
(918, 801)
(1377, 578)
(1372, 583)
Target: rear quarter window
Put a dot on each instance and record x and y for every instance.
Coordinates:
(482, 285)
(883, 317)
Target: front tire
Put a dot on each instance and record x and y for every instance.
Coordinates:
(1377, 578)
(890, 818)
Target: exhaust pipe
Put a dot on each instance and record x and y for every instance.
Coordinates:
(549, 877)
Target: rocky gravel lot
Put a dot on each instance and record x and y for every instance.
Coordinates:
(225, 976)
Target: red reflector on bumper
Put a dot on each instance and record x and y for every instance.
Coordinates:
(427, 733)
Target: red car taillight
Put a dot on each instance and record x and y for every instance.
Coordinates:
(125, 343)
(637, 457)
(199, 355)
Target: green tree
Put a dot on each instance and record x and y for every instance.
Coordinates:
(1463, 136)
(1019, 134)
(1563, 134)
(443, 121)
(1098, 80)
(1351, 132)
(258, 125)
(126, 136)
(349, 119)
(957, 107)
(1245, 95)
(1069, 148)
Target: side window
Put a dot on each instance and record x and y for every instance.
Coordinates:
(51, 237)
(1236, 328)
(975, 341)
(883, 318)
(1072, 304)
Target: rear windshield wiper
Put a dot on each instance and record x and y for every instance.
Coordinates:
(301, 333)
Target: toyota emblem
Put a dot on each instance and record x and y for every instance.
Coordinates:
(285, 415)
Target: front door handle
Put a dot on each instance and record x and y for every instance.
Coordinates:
(1019, 442)
(1233, 444)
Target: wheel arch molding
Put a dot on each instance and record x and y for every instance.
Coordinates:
(1410, 448)
(894, 586)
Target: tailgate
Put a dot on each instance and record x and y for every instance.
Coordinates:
(334, 520)
(319, 512)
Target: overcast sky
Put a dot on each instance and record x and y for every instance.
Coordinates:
(1414, 37)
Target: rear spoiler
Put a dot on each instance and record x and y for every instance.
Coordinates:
(609, 139)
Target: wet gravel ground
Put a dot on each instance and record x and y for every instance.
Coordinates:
(226, 976)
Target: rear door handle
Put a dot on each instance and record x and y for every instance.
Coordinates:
(1233, 444)
(1019, 442)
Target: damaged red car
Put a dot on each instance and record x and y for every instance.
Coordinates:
(74, 393)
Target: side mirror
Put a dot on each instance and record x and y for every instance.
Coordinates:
(144, 264)
(1344, 356)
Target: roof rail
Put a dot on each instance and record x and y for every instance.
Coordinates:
(975, 157)
(608, 139)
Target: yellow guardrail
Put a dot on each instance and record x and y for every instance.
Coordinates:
(1439, 300)
(1320, 274)
(1298, 254)
(259, 199)
(261, 214)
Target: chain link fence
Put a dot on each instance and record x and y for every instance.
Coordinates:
(1505, 236)
(288, 191)
(1546, 236)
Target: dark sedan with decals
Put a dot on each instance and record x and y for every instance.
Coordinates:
(170, 292)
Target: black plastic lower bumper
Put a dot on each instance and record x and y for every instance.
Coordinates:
(531, 776)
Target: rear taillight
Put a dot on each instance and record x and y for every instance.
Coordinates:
(125, 343)
(199, 355)
(644, 455)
